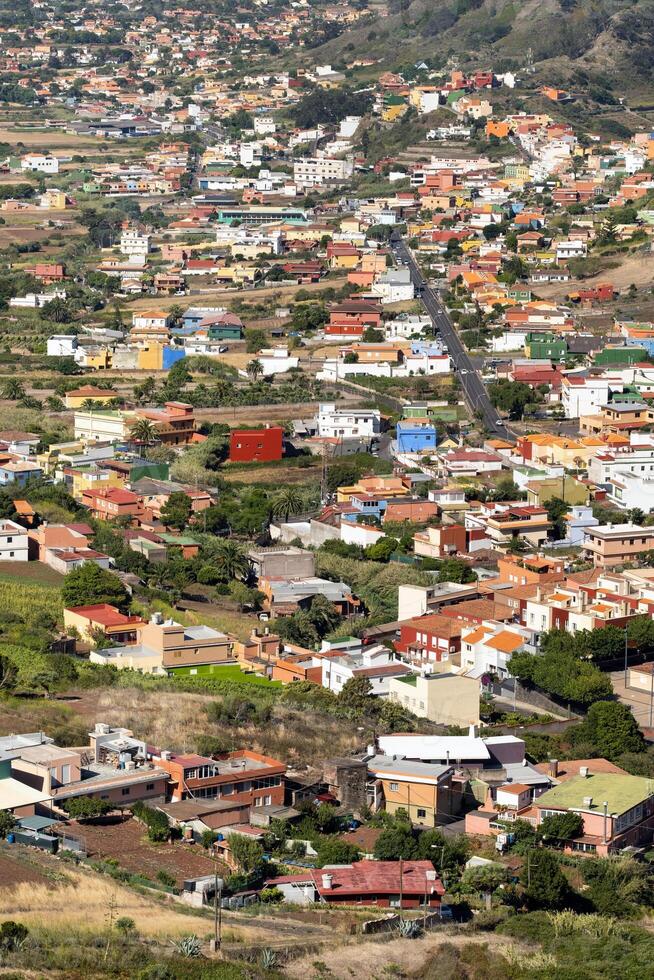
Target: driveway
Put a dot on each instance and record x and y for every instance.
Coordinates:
(640, 702)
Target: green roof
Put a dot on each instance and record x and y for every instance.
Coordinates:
(621, 792)
(409, 679)
(177, 539)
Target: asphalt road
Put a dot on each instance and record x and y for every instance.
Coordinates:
(473, 387)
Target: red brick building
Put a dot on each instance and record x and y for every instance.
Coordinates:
(350, 319)
(256, 445)
(429, 639)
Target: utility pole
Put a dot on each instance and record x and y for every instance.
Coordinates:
(217, 908)
(401, 885)
(626, 650)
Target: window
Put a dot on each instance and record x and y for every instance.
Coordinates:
(394, 787)
(149, 786)
(421, 814)
(125, 791)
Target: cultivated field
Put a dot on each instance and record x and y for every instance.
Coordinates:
(125, 841)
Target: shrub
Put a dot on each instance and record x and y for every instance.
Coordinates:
(166, 878)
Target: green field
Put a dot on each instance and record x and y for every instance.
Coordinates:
(229, 673)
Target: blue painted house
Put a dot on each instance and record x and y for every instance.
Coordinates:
(414, 436)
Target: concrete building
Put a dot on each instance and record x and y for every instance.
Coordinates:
(615, 544)
(316, 171)
(346, 423)
(166, 646)
(447, 699)
(13, 542)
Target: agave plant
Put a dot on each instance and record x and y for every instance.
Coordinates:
(188, 946)
(268, 958)
(409, 928)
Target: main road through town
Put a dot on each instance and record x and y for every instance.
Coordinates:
(473, 387)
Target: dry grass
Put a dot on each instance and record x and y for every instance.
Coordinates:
(374, 959)
(176, 720)
(83, 902)
(48, 139)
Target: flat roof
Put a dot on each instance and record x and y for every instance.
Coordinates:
(621, 792)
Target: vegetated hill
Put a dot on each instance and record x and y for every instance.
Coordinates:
(611, 41)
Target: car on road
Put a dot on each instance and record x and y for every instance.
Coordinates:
(464, 371)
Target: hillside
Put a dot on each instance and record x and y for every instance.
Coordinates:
(602, 49)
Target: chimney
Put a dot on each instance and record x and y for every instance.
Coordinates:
(165, 755)
(588, 801)
(553, 768)
(327, 882)
(471, 732)
(584, 771)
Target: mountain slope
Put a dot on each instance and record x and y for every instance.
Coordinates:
(612, 38)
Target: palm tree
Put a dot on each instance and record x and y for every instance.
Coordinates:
(231, 559)
(54, 403)
(88, 405)
(143, 431)
(288, 501)
(13, 390)
(254, 369)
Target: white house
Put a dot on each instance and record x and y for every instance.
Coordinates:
(276, 360)
(377, 663)
(346, 423)
(585, 396)
(394, 286)
(574, 249)
(488, 648)
(134, 242)
(61, 345)
(13, 542)
(40, 162)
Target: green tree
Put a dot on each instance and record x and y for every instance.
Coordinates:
(483, 879)
(562, 826)
(86, 807)
(356, 693)
(617, 887)
(556, 511)
(57, 311)
(546, 887)
(143, 430)
(396, 842)
(288, 502)
(455, 570)
(7, 823)
(331, 850)
(255, 340)
(176, 511)
(381, 550)
(230, 559)
(510, 396)
(247, 853)
(611, 729)
(90, 584)
(254, 369)
(13, 390)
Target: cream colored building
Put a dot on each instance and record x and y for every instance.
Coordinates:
(447, 699)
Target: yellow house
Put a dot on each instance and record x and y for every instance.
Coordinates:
(53, 200)
(92, 479)
(422, 789)
(349, 225)
(344, 259)
(150, 358)
(391, 485)
(88, 393)
(566, 488)
(95, 359)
